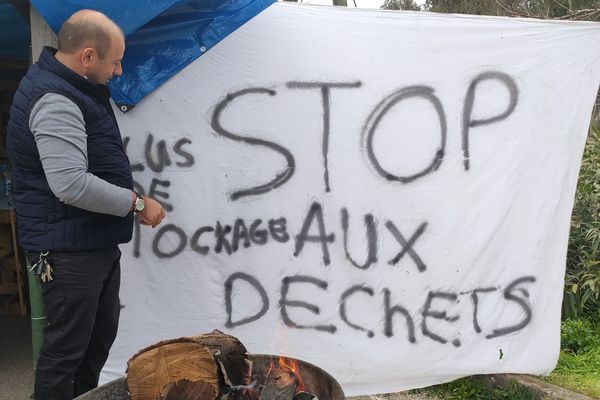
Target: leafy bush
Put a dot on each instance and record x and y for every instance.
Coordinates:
(579, 336)
(582, 280)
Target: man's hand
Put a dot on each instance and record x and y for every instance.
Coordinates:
(152, 214)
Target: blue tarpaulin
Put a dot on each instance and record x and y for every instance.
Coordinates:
(163, 36)
(15, 37)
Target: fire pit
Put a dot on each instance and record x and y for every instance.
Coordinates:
(274, 378)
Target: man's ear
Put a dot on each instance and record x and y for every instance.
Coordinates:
(88, 57)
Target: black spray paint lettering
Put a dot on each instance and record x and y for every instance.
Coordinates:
(179, 236)
(157, 159)
(344, 312)
(385, 106)
(469, 123)
(222, 242)
(227, 240)
(155, 194)
(284, 303)
(371, 240)
(326, 99)
(281, 177)
(509, 295)
(240, 232)
(180, 151)
(230, 238)
(315, 212)
(195, 241)
(475, 300)
(407, 245)
(258, 236)
(428, 313)
(278, 230)
(158, 156)
(389, 312)
(229, 302)
(159, 195)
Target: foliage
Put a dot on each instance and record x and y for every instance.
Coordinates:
(476, 7)
(401, 5)
(472, 388)
(578, 367)
(568, 9)
(579, 336)
(582, 280)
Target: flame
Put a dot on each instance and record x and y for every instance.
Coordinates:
(290, 364)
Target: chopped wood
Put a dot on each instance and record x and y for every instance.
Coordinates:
(153, 368)
(187, 390)
(230, 354)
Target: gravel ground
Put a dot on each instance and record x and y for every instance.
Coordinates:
(16, 368)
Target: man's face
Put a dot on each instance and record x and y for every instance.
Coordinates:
(105, 68)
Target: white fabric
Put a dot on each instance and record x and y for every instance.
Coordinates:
(492, 236)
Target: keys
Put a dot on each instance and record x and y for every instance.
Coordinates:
(47, 271)
(42, 267)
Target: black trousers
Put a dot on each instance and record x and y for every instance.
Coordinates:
(82, 306)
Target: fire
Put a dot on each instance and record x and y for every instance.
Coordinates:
(292, 365)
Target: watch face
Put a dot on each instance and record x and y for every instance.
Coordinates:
(139, 204)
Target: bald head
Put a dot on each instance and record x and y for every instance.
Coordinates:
(88, 28)
(92, 45)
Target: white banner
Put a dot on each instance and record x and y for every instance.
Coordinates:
(384, 195)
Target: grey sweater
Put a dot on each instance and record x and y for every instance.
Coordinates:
(59, 131)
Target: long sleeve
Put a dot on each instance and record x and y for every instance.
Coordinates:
(59, 130)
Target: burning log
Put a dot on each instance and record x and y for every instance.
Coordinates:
(281, 384)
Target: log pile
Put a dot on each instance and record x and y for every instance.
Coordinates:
(213, 366)
(205, 367)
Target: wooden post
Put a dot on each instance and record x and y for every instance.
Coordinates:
(17, 260)
(41, 34)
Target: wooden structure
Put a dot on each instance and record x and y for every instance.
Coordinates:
(12, 286)
(12, 278)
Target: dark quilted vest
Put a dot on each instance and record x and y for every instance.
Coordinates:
(45, 223)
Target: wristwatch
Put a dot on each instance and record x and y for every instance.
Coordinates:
(138, 204)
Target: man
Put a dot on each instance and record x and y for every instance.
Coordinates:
(73, 191)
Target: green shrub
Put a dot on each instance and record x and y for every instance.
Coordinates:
(579, 336)
(582, 280)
